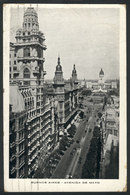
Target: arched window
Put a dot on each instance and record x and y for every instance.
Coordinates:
(26, 73)
(26, 52)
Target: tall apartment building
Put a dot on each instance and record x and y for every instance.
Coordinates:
(27, 74)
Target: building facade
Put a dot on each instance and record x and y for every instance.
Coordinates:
(27, 74)
(17, 135)
(66, 97)
(39, 114)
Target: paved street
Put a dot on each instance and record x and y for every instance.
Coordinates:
(69, 164)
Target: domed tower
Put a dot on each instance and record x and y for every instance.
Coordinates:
(59, 94)
(74, 77)
(30, 46)
(58, 78)
(74, 73)
(101, 76)
(30, 22)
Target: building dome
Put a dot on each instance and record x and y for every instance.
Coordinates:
(101, 73)
(58, 67)
(30, 11)
(30, 22)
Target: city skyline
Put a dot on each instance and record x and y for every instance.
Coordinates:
(89, 54)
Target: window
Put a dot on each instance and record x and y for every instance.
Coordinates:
(15, 62)
(10, 55)
(15, 68)
(28, 24)
(40, 52)
(115, 132)
(25, 105)
(26, 52)
(26, 73)
(15, 55)
(14, 76)
(10, 69)
(60, 105)
(9, 62)
(28, 33)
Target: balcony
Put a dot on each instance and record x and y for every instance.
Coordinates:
(16, 72)
(32, 141)
(20, 165)
(13, 170)
(18, 154)
(20, 140)
(44, 47)
(30, 119)
(22, 175)
(12, 158)
(12, 144)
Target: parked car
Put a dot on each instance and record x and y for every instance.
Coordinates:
(80, 159)
(68, 144)
(72, 152)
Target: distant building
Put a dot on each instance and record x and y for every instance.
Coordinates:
(65, 93)
(101, 84)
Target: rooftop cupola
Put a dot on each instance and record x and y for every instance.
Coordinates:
(58, 67)
(58, 78)
(30, 20)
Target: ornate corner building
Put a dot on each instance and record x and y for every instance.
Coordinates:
(66, 97)
(35, 138)
(37, 116)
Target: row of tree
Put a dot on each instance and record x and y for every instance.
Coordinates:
(91, 166)
(64, 141)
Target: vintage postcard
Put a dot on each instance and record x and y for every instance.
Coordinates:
(64, 97)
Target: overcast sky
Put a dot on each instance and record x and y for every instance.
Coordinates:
(86, 37)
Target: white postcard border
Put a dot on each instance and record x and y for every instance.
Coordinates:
(63, 185)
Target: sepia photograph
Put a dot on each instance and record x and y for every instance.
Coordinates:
(65, 97)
